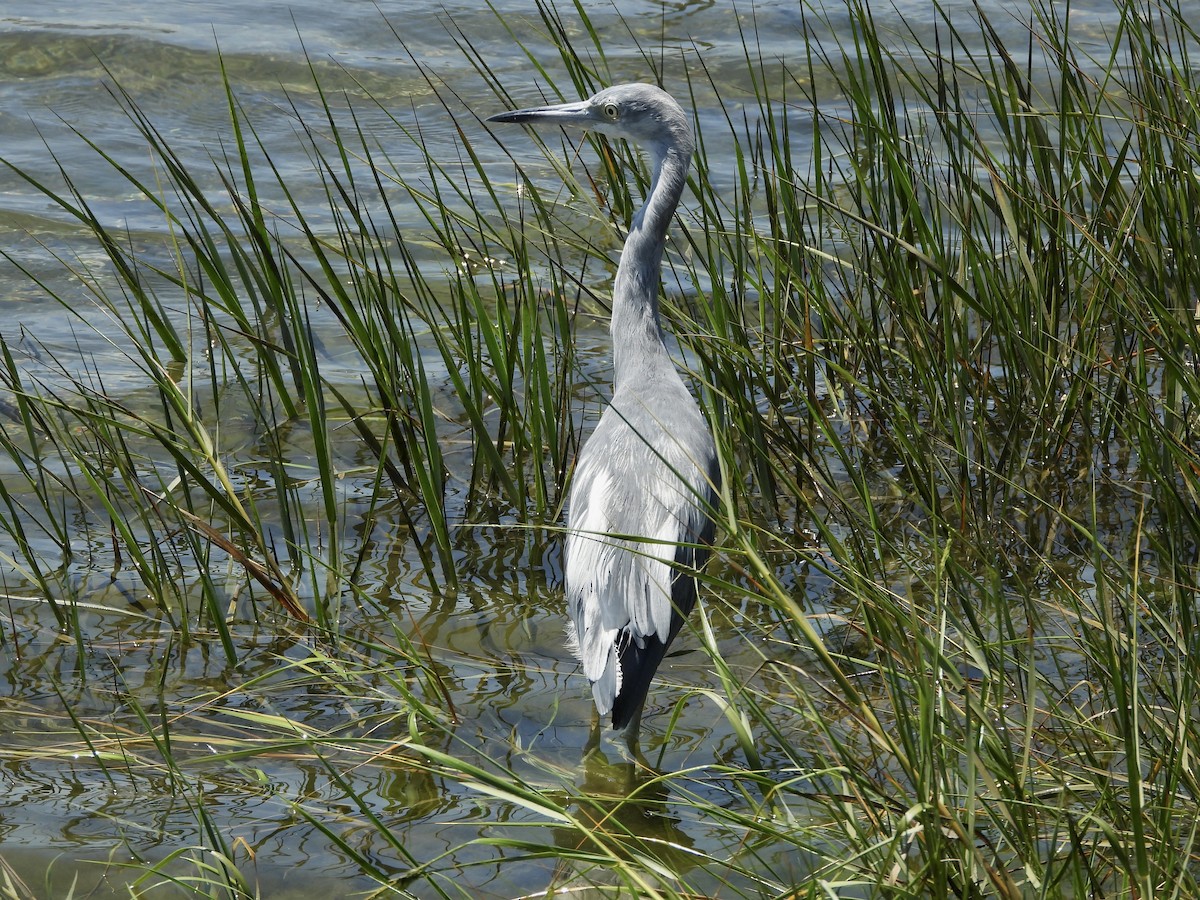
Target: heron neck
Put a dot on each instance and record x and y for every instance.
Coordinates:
(636, 327)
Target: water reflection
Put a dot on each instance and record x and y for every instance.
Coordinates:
(624, 807)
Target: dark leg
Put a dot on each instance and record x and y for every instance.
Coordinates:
(593, 741)
(632, 735)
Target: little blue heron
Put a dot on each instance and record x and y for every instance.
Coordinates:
(640, 511)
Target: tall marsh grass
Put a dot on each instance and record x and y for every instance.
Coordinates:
(944, 323)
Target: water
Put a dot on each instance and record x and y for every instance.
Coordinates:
(512, 685)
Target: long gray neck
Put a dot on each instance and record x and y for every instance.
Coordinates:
(636, 329)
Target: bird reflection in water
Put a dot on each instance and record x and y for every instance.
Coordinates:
(625, 809)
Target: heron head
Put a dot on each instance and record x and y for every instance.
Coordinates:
(641, 113)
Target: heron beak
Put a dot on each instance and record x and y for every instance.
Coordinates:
(579, 113)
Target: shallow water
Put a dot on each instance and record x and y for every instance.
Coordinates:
(511, 689)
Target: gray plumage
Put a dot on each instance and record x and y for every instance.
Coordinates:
(645, 484)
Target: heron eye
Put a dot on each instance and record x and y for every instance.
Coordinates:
(611, 111)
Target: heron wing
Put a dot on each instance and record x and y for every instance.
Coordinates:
(644, 484)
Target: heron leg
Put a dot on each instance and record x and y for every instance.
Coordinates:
(593, 741)
(633, 732)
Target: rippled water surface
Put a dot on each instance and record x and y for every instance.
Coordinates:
(498, 641)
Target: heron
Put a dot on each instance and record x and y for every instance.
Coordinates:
(640, 510)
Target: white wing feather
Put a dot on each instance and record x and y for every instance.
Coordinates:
(622, 542)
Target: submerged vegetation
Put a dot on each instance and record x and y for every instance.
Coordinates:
(944, 324)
